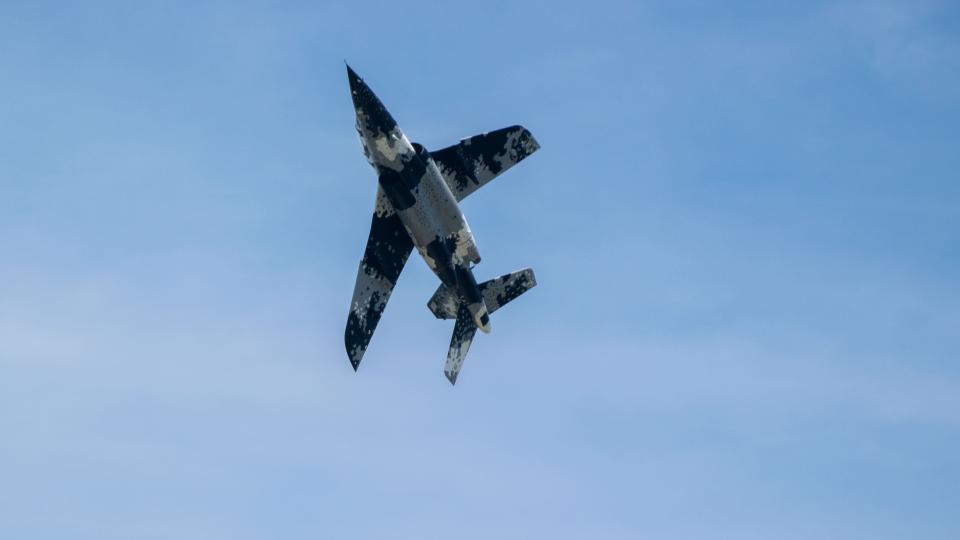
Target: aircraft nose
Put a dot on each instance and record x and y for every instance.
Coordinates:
(368, 105)
(359, 90)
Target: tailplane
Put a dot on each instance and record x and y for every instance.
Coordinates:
(496, 293)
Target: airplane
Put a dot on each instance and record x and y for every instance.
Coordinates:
(417, 206)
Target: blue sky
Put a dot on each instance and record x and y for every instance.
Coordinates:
(743, 219)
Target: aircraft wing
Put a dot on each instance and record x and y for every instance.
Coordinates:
(477, 160)
(388, 247)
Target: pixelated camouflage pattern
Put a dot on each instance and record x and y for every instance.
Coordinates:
(476, 160)
(460, 341)
(444, 303)
(496, 292)
(388, 247)
(416, 206)
(499, 291)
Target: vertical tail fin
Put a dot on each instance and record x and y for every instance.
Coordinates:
(463, 333)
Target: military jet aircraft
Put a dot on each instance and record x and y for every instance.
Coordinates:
(417, 206)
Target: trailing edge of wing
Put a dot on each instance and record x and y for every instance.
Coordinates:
(477, 160)
(388, 247)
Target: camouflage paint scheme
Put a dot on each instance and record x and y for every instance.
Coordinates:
(496, 293)
(417, 206)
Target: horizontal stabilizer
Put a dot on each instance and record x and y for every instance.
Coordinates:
(444, 304)
(496, 292)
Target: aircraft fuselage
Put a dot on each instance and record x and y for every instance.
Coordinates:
(412, 184)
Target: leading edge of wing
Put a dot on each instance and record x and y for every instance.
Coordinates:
(388, 247)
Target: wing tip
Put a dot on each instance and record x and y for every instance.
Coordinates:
(529, 276)
(354, 358)
(529, 142)
(354, 348)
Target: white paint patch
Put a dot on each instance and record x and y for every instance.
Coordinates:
(465, 246)
(382, 207)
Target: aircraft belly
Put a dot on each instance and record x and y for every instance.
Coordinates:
(435, 217)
